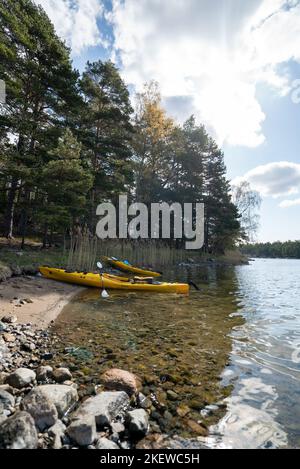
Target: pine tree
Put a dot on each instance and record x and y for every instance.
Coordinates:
(64, 183)
(106, 131)
(40, 84)
(222, 226)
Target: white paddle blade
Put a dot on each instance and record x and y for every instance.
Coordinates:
(99, 265)
(104, 294)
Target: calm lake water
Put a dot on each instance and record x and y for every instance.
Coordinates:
(244, 326)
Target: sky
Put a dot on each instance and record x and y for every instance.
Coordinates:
(234, 64)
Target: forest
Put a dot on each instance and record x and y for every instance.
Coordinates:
(280, 250)
(70, 141)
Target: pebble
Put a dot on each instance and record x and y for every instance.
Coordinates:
(9, 319)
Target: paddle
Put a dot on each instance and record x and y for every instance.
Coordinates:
(104, 293)
(192, 284)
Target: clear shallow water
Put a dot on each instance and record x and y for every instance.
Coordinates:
(244, 325)
(264, 407)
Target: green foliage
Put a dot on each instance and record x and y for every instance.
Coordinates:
(65, 184)
(105, 127)
(183, 164)
(68, 143)
(280, 250)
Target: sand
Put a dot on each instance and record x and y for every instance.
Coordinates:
(46, 299)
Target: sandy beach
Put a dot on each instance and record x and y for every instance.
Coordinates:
(34, 300)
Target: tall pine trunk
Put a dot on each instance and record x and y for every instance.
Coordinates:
(10, 208)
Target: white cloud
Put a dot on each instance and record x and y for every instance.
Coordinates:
(210, 57)
(76, 21)
(274, 179)
(289, 203)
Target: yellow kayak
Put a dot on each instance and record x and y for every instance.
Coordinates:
(112, 281)
(124, 267)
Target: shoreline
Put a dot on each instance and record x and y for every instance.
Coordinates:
(35, 300)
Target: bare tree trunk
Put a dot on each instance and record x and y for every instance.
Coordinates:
(10, 208)
(45, 237)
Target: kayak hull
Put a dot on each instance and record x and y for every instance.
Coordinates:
(130, 268)
(110, 282)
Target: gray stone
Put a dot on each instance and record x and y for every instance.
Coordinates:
(118, 427)
(83, 431)
(172, 396)
(18, 432)
(143, 401)
(105, 443)
(62, 374)
(21, 378)
(63, 397)
(41, 409)
(43, 373)
(57, 433)
(183, 444)
(6, 399)
(9, 319)
(2, 418)
(138, 422)
(104, 407)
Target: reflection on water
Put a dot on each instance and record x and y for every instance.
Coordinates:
(244, 324)
(263, 410)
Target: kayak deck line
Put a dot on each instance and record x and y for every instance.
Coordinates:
(108, 281)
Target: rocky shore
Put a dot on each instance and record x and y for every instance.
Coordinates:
(41, 406)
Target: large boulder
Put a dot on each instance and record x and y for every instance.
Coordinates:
(138, 423)
(42, 410)
(63, 397)
(21, 378)
(83, 430)
(18, 432)
(120, 380)
(104, 408)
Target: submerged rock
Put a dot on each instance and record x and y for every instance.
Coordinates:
(21, 378)
(18, 432)
(182, 443)
(197, 428)
(42, 410)
(120, 380)
(104, 407)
